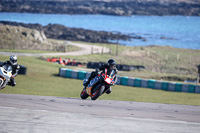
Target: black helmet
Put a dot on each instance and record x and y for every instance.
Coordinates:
(13, 59)
(111, 63)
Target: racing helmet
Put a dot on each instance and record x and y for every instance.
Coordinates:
(13, 59)
(111, 63)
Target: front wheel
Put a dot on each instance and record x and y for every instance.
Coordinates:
(1, 83)
(97, 93)
(83, 94)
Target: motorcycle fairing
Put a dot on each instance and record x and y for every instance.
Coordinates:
(96, 90)
(92, 83)
(5, 74)
(88, 90)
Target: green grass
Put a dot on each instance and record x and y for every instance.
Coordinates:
(42, 79)
(26, 51)
(161, 62)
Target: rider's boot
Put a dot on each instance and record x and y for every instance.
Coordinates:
(11, 84)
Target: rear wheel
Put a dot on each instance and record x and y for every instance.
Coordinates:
(83, 94)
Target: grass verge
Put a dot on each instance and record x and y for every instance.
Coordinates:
(42, 79)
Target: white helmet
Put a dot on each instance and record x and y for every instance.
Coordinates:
(13, 59)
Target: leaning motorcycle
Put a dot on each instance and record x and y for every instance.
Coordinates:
(97, 85)
(5, 74)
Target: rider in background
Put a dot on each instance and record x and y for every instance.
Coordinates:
(110, 65)
(15, 68)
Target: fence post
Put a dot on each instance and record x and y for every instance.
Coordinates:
(102, 50)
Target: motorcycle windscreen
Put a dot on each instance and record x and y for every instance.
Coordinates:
(7, 67)
(111, 73)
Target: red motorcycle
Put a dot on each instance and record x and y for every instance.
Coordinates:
(97, 85)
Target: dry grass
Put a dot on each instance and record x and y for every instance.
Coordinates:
(19, 38)
(161, 62)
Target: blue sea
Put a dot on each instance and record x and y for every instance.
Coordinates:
(178, 31)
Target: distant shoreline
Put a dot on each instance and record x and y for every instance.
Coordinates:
(104, 7)
(60, 32)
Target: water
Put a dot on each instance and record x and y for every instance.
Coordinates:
(181, 31)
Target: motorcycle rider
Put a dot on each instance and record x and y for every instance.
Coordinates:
(15, 68)
(111, 64)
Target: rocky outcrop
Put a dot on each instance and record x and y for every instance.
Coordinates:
(77, 34)
(13, 37)
(61, 32)
(108, 7)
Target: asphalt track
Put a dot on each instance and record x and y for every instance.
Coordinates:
(45, 114)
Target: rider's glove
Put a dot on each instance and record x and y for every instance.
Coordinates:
(112, 83)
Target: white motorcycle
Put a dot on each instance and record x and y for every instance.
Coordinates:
(5, 74)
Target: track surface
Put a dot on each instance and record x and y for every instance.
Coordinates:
(44, 114)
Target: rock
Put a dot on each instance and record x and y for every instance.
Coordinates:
(17, 37)
(57, 31)
(39, 36)
(168, 38)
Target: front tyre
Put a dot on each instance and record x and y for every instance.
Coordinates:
(83, 94)
(1, 83)
(97, 93)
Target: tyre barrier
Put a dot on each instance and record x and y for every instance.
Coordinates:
(120, 67)
(136, 82)
(22, 70)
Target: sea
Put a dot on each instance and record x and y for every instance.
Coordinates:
(175, 31)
